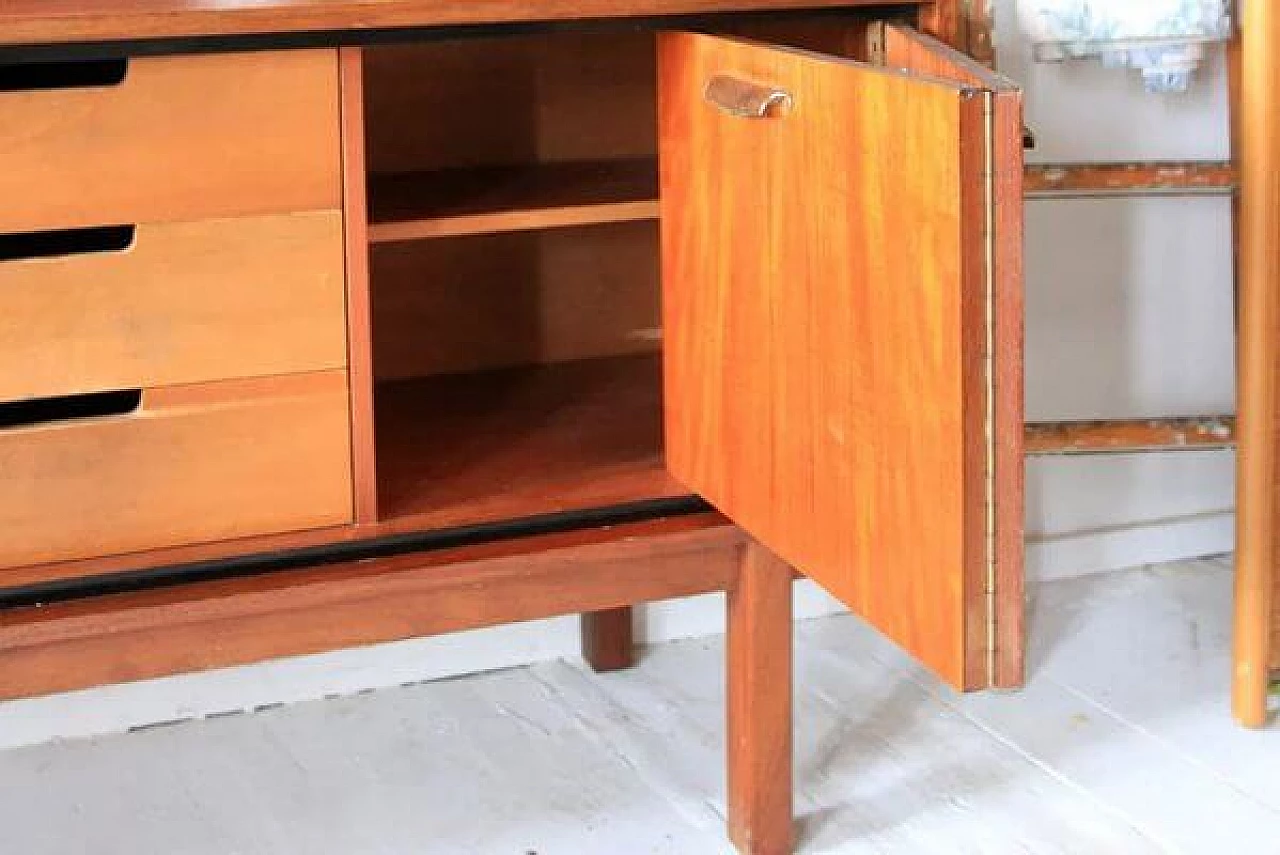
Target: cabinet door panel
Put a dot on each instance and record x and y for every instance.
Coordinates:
(826, 308)
(907, 49)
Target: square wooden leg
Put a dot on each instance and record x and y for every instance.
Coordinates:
(759, 701)
(607, 642)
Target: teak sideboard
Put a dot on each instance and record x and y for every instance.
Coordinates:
(332, 322)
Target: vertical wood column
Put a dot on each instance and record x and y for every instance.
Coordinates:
(1259, 359)
(758, 701)
(607, 641)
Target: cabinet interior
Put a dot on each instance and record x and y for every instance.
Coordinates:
(514, 269)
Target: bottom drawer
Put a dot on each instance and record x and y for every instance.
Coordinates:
(100, 475)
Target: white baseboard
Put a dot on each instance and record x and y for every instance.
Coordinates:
(112, 709)
(1080, 553)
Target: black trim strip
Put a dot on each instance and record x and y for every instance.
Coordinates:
(260, 564)
(59, 243)
(63, 74)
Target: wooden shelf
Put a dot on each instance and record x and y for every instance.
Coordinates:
(454, 202)
(468, 448)
(1084, 180)
(1126, 437)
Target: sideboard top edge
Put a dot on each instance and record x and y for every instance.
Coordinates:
(49, 24)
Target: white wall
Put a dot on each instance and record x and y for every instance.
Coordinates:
(1128, 314)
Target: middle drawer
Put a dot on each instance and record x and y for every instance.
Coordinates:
(179, 303)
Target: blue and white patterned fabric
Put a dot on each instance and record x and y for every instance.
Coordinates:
(1165, 39)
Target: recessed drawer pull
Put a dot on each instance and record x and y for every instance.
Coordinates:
(37, 76)
(747, 100)
(38, 411)
(54, 244)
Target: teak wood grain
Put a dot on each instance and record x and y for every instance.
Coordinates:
(194, 463)
(947, 21)
(544, 130)
(758, 701)
(1064, 181)
(1195, 433)
(61, 21)
(511, 102)
(908, 49)
(260, 138)
(355, 215)
(186, 303)
(216, 624)
(517, 298)
(459, 202)
(469, 448)
(824, 322)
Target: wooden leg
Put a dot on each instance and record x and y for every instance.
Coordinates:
(606, 639)
(1259, 355)
(759, 705)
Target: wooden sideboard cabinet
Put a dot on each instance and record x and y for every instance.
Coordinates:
(327, 323)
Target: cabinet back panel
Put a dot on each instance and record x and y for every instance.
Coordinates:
(512, 100)
(845, 35)
(493, 301)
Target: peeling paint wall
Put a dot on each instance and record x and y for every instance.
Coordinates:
(1129, 315)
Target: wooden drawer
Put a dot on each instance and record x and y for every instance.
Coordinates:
(183, 303)
(178, 138)
(191, 464)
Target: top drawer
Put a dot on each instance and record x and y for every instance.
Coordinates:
(177, 138)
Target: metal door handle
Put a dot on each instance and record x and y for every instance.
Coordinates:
(747, 100)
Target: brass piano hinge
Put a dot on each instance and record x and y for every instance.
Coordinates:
(989, 359)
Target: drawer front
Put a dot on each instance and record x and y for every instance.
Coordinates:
(183, 303)
(191, 464)
(178, 138)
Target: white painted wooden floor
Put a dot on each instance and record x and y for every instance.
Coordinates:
(1121, 743)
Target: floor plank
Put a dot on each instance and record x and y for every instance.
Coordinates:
(1121, 743)
(1173, 623)
(490, 765)
(1118, 636)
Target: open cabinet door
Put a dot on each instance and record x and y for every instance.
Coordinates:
(843, 333)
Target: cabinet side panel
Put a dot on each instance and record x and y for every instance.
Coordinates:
(1010, 490)
(977, 396)
(359, 316)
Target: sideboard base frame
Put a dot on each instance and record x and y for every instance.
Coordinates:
(205, 625)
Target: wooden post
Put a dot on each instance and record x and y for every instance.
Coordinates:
(607, 642)
(1259, 358)
(758, 701)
